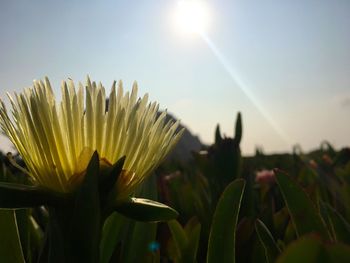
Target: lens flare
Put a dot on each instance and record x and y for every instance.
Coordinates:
(235, 76)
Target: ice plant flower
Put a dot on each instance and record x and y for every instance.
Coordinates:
(265, 177)
(56, 140)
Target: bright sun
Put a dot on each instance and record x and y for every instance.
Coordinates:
(192, 16)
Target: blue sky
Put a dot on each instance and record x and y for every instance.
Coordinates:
(293, 57)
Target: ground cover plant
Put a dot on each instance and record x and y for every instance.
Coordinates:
(216, 207)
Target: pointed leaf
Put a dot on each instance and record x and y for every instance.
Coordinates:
(23, 220)
(85, 230)
(339, 225)
(304, 250)
(21, 196)
(143, 241)
(179, 237)
(218, 137)
(10, 248)
(193, 237)
(142, 237)
(108, 179)
(221, 247)
(305, 217)
(54, 245)
(110, 236)
(238, 129)
(310, 248)
(146, 210)
(270, 248)
(186, 240)
(36, 235)
(338, 253)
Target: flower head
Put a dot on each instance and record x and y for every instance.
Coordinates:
(265, 177)
(56, 140)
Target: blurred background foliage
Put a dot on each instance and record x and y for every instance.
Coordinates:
(263, 208)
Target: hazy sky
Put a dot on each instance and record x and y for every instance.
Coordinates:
(292, 58)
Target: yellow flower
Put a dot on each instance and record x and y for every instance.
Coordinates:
(56, 140)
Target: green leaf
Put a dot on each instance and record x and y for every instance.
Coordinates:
(340, 227)
(36, 236)
(304, 250)
(85, 227)
(186, 240)
(54, 247)
(142, 236)
(289, 233)
(122, 237)
(236, 158)
(10, 248)
(238, 129)
(218, 137)
(267, 241)
(305, 217)
(22, 217)
(146, 210)
(221, 247)
(109, 176)
(179, 237)
(110, 236)
(338, 253)
(280, 221)
(22, 196)
(245, 232)
(107, 182)
(193, 231)
(141, 239)
(310, 248)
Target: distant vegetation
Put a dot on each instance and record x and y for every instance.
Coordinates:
(292, 207)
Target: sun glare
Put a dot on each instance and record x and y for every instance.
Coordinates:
(192, 16)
